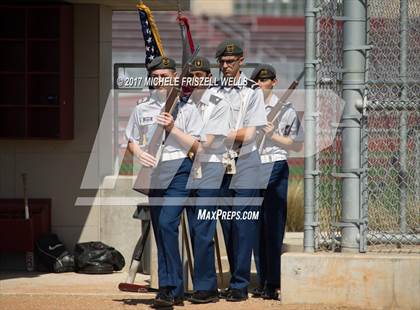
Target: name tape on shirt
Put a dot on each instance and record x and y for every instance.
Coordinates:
(147, 120)
(214, 99)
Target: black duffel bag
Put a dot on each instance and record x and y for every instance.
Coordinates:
(52, 254)
(97, 257)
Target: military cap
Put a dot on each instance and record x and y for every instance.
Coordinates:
(162, 63)
(200, 63)
(263, 71)
(229, 48)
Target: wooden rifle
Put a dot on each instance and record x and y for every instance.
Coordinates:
(156, 144)
(276, 110)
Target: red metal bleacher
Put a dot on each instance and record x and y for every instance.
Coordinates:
(272, 37)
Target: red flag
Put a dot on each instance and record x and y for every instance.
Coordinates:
(187, 48)
(187, 41)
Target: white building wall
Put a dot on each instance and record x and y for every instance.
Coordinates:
(212, 7)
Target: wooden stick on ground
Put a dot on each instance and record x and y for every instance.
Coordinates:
(218, 257)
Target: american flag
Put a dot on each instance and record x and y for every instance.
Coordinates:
(151, 47)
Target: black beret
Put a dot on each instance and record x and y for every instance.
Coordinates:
(229, 48)
(263, 71)
(200, 63)
(162, 63)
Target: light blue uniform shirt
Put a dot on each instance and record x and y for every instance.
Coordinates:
(142, 124)
(214, 110)
(287, 124)
(247, 108)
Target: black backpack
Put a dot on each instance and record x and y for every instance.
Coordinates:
(97, 257)
(52, 254)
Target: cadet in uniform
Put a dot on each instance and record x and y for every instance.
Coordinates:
(169, 179)
(279, 135)
(240, 184)
(207, 178)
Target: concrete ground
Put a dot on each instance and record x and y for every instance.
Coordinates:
(30, 291)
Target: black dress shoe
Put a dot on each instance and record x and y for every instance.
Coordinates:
(203, 297)
(224, 293)
(178, 301)
(237, 295)
(257, 292)
(164, 299)
(270, 293)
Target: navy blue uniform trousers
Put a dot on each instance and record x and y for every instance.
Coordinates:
(239, 234)
(167, 204)
(272, 223)
(207, 190)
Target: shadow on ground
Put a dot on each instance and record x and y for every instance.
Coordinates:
(135, 301)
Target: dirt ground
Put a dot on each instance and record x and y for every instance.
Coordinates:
(68, 291)
(67, 302)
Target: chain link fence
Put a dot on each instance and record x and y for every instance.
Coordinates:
(389, 128)
(391, 125)
(327, 187)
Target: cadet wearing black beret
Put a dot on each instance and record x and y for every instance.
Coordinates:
(162, 63)
(246, 114)
(200, 63)
(229, 48)
(262, 72)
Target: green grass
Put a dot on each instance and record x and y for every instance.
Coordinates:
(296, 171)
(295, 213)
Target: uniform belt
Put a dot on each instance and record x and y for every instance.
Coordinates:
(173, 155)
(269, 158)
(211, 158)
